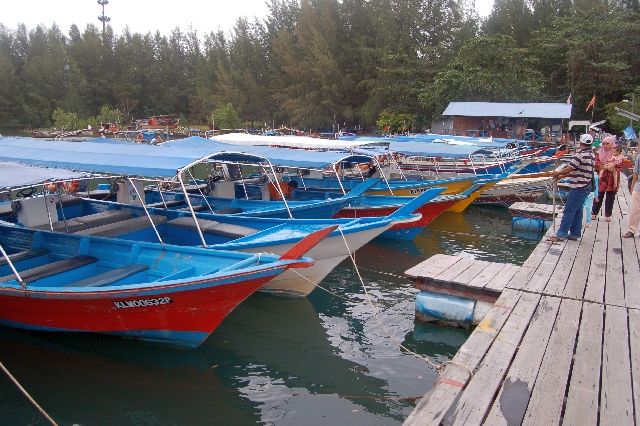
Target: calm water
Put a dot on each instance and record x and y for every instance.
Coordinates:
(322, 360)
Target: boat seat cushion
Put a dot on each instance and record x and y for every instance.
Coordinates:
(229, 210)
(23, 255)
(110, 276)
(89, 221)
(214, 228)
(123, 227)
(52, 268)
(199, 208)
(169, 203)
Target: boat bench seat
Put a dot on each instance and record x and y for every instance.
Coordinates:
(229, 210)
(109, 277)
(68, 201)
(23, 255)
(52, 268)
(169, 203)
(89, 221)
(200, 208)
(123, 227)
(214, 228)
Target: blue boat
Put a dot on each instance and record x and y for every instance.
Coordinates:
(161, 293)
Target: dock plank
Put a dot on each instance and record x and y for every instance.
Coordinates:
(630, 270)
(562, 271)
(614, 283)
(435, 404)
(616, 401)
(582, 265)
(512, 400)
(584, 388)
(597, 273)
(454, 270)
(432, 266)
(545, 406)
(547, 266)
(634, 343)
(487, 274)
(502, 278)
(472, 272)
(477, 398)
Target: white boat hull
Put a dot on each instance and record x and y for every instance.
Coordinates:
(327, 255)
(510, 191)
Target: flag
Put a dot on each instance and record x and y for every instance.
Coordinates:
(629, 133)
(569, 99)
(591, 103)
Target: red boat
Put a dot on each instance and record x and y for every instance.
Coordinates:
(171, 294)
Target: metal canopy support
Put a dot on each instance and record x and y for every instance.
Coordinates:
(13, 268)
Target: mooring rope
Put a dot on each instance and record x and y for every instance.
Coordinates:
(437, 366)
(26, 394)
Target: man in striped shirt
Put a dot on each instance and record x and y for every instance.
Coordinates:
(579, 172)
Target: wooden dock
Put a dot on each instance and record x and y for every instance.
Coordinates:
(462, 276)
(561, 344)
(535, 210)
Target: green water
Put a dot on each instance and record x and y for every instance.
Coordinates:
(322, 360)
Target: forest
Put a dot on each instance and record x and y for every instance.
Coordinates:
(319, 64)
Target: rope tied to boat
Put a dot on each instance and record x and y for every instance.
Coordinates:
(428, 360)
(26, 394)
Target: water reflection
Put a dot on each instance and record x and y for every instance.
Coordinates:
(334, 358)
(85, 379)
(292, 360)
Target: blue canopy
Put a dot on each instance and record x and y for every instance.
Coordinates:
(434, 149)
(153, 161)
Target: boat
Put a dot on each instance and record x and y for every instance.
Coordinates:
(515, 188)
(176, 295)
(75, 215)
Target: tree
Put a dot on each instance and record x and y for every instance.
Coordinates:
(395, 122)
(489, 68)
(226, 117)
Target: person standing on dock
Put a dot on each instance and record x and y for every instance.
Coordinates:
(609, 178)
(634, 211)
(579, 172)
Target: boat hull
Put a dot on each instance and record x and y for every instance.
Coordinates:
(511, 191)
(328, 254)
(174, 315)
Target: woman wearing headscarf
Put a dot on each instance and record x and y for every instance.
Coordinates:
(609, 181)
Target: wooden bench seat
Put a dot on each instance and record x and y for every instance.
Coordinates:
(49, 269)
(23, 255)
(123, 227)
(212, 227)
(110, 276)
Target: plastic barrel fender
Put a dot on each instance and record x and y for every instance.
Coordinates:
(444, 308)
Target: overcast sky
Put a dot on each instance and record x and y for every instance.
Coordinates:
(143, 16)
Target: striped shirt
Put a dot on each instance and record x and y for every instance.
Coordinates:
(582, 174)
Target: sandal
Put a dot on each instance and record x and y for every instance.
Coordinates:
(594, 217)
(607, 219)
(555, 239)
(573, 238)
(629, 234)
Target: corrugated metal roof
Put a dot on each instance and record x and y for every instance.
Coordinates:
(498, 109)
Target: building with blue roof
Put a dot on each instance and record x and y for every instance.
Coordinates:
(502, 119)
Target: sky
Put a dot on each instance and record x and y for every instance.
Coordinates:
(143, 16)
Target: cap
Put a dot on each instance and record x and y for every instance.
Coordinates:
(586, 139)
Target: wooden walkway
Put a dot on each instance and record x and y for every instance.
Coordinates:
(463, 276)
(561, 345)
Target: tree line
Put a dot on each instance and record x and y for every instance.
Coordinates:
(318, 64)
